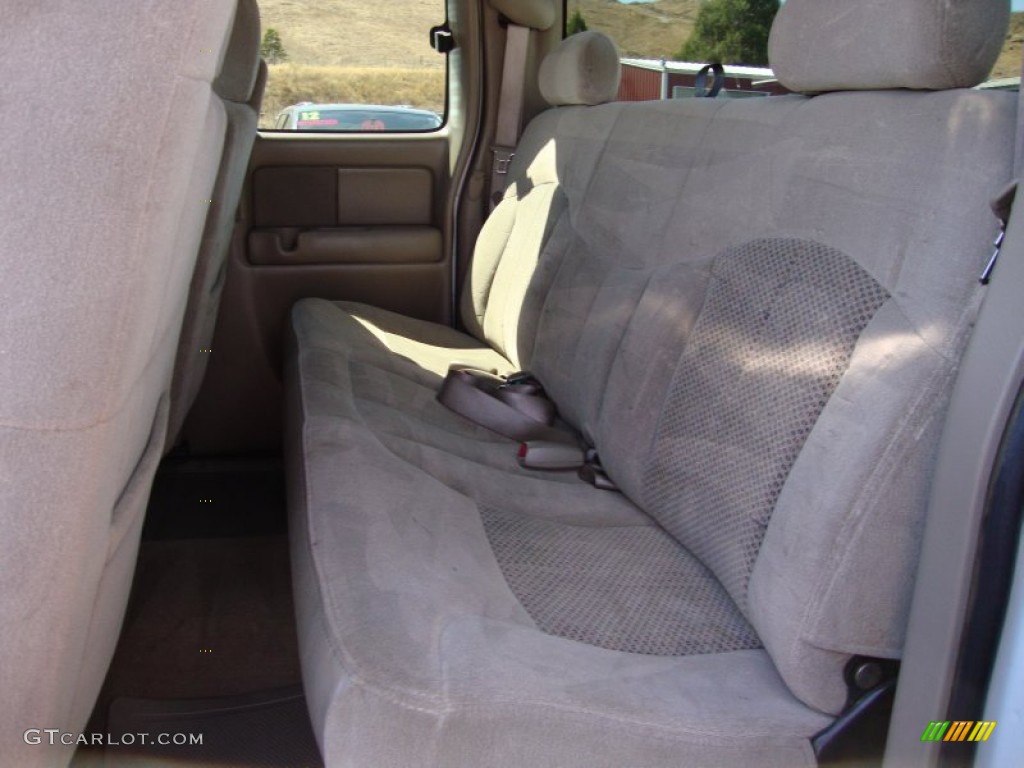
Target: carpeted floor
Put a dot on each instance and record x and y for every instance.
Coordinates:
(211, 613)
(216, 498)
(262, 730)
(208, 617)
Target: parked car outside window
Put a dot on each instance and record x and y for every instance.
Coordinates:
(355, 117)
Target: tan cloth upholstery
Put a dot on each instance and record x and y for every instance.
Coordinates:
(584, 69)
(753, 309)
(836, 45)
(404, 612)
(101, 212)
(239, 74)
(240, 85)
(536, 14)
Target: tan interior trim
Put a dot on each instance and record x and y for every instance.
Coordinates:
(347, 245)
(991, 375)
(370, 196)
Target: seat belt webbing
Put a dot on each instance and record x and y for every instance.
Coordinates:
(516, 407)
(517, 411)
(1018, 144)
(510, 108)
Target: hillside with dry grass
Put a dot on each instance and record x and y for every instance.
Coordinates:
(658, 29)
(641, 30)
(354, 51)
(1010, 59)
(360, 34)
(355, 33)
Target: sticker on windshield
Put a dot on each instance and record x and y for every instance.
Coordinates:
(312, 117)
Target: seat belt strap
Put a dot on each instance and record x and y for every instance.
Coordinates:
(1018, 144)
(514, 406)
(510, 108)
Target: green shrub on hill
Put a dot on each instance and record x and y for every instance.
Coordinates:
(731, 32)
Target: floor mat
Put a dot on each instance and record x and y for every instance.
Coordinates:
(267, 729)
(207, 618)
(216, 498)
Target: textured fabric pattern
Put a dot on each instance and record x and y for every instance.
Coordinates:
(775, 335)
(210, 270)
(239, 72)
(583, 69)
(415, 649)
(831, 45)
(630, 588)
(100, 222)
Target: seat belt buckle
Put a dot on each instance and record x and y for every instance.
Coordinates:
(525, 383)
(593, 473)
(547, 454)
(491, 377)
(521, 377)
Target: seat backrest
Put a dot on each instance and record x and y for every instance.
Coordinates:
(111, 151)
(582, 70)
(754, 308)
(240, 86)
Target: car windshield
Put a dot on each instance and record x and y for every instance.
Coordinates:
(315, 119)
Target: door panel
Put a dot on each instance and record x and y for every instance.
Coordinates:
(385, 196)
(321, 196)
(345, 245)
(352, 218)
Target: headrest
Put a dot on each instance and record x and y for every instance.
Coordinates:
(536, 14)
(241, 60)
(256, 102)
(583, 69)
(841, 45)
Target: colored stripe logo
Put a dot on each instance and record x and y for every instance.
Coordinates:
(958, 730)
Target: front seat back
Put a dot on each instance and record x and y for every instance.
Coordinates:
(240, 87)
(112, 144)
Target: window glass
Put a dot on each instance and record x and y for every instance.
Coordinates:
(664, 43)
(348, 65)
(1006, 72)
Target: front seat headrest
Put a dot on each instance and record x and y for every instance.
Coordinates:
(843, 45)
(240, 64)
(583, 69)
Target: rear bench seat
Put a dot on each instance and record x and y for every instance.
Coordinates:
(754, 310)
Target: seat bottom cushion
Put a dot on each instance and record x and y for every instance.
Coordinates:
(455, 609)
(370, 333)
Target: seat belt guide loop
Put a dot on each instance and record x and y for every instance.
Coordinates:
(502, 160)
